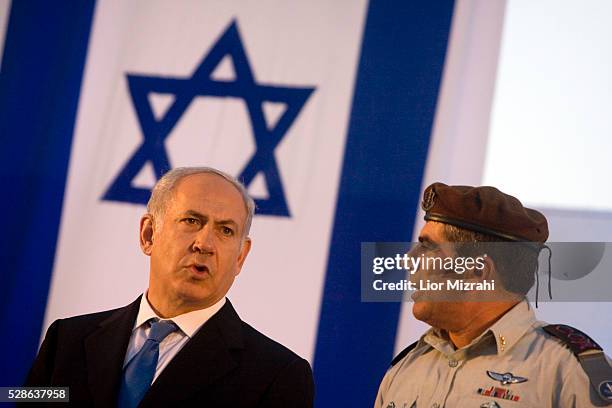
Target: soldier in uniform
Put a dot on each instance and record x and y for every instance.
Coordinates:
(492, 354)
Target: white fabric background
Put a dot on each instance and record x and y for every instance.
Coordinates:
(99, 264)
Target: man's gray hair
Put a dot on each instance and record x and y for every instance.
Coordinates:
(163, 189)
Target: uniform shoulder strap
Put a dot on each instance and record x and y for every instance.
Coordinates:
(403, 353)
(574, 339)
(589, 354)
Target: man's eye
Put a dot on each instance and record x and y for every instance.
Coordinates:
(227, 231)
(428, 246)
(191, 221)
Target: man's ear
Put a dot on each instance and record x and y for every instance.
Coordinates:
(484, 270)
(147, 226)
(489, 271)
(244, 251)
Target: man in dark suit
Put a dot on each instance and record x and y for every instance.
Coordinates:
(181, 343)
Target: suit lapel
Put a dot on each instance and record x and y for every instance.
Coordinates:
(206, 357)
(105, 351)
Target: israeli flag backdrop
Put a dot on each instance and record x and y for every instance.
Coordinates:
(335, 114)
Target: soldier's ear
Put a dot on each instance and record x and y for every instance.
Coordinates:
(489, 270)
(147, 226)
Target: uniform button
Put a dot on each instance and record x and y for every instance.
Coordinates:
(452, 363)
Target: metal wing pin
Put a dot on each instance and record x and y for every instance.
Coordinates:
(506, 378)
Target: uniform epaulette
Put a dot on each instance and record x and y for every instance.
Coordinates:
(574, 339)
(589, 354)
(403, 353)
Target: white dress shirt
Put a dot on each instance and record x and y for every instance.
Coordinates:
(188, 324)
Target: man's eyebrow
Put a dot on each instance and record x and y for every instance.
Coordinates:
(226, 222)
(194, 214)
(424, 239)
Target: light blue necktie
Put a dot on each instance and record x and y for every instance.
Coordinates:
(138, 374)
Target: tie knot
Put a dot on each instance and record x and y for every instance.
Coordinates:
(161, 329)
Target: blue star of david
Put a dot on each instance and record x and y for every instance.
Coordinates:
(155, 131)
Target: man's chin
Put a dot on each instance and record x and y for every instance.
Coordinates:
(421, 310)
(193, 292)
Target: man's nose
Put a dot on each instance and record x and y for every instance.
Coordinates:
(204, 241)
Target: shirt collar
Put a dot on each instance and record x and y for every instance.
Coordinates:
(189, 323)
(512, 326)
(507, 331)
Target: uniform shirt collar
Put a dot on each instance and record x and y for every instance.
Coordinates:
(506, 332)
(189, 323)
(512, 326)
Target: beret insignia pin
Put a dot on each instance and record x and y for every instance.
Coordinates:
(428, 199)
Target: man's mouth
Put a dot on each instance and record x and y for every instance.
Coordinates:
(199, 268)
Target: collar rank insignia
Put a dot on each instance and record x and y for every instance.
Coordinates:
(490, 404)
(506, 378)
(498, 392)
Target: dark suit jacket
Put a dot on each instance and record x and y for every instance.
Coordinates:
(227, 363)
